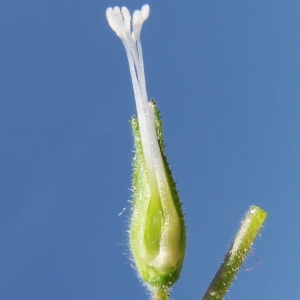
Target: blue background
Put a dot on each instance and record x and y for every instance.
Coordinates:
(226, 77)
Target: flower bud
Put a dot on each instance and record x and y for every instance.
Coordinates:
(157, 229)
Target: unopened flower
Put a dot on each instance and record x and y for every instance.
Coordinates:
(157, 229)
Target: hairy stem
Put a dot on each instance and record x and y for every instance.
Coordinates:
(237, 253)
(160, 295)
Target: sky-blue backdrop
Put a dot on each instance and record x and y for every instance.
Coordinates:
(226, 77)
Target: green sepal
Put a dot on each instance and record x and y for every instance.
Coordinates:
(147, 216)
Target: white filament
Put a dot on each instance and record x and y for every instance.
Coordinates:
(120, 22)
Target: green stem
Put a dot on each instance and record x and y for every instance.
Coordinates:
(237, 253)
(160, 295)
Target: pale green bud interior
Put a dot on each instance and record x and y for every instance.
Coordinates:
(169, 248)
(153, 228)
